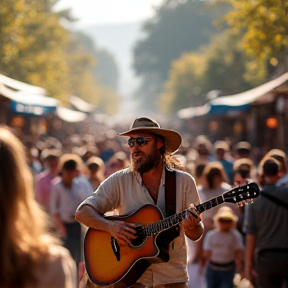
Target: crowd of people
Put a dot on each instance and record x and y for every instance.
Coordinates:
(249, 240)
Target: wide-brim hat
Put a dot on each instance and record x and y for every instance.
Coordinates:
(70, 156)
(225, 213)
(145, 124)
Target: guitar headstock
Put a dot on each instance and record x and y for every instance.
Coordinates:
(242, 194)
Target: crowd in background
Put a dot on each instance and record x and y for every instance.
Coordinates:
(67, 173)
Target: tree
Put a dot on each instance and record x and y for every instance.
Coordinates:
(31, 44)
(37, 49)
(264, 27)
(219, 66)
(226, 65)
(183, 86)
(178, 27)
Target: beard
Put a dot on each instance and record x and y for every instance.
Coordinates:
(146, 162)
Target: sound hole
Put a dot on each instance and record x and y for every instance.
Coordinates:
(141, 235)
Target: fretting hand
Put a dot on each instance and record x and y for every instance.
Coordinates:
(192, 225)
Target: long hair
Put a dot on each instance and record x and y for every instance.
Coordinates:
(211, 171)
(24, 239)
(170, 161)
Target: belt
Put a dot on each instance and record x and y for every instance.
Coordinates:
(222, 266)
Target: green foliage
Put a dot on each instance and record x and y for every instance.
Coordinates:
(37, 49)
(178, 27)
(263, 26)
(32, 41)
(252, 50)
(81, 80)
(225, 66)
(220, 66)
(182, 89)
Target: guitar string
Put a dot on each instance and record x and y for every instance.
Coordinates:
(179, 217)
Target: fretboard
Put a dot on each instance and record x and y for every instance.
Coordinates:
(209, 204)
(177, 218)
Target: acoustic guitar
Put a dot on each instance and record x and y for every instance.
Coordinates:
(107, 263)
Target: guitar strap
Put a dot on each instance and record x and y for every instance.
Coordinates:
(170, 200)
(170, 192)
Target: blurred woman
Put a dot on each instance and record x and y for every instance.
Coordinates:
(214, 184)
(30, 257)
(96, 167)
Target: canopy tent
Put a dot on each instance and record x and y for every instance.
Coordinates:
(237, 102)
(71, 116)
(81, 105)
(23, 102)
(194, 111)
(21, 86)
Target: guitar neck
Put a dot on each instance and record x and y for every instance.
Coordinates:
(209, 204)
(179, 217)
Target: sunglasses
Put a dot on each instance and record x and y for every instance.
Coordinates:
(139, 141)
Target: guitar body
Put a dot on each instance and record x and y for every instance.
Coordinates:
(107, 264)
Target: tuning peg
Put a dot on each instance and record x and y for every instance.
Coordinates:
(241, 203)
(249, 201)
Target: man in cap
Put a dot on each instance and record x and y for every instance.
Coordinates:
(144, 182)
(267, 234)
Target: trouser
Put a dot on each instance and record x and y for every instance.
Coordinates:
(72, 240)
(219, 279)
(272, 268)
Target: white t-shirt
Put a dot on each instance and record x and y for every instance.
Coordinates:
(223, 245)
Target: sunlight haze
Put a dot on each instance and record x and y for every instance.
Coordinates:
(103, 12)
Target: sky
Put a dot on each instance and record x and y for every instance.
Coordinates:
(103, 12)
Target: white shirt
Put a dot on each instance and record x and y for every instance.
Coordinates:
(223, 245)
(125, 192)
(64, 200)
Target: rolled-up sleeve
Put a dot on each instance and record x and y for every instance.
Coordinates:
(105, 198)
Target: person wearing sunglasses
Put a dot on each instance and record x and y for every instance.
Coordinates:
(151, 150)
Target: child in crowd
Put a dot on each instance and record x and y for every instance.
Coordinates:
(222, 250)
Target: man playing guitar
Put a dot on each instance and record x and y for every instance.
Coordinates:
(143, 183)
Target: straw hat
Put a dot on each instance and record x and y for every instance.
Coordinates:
(225, 213)
(95, 160)
(220, 144)
(145, 124)
(70, 156)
